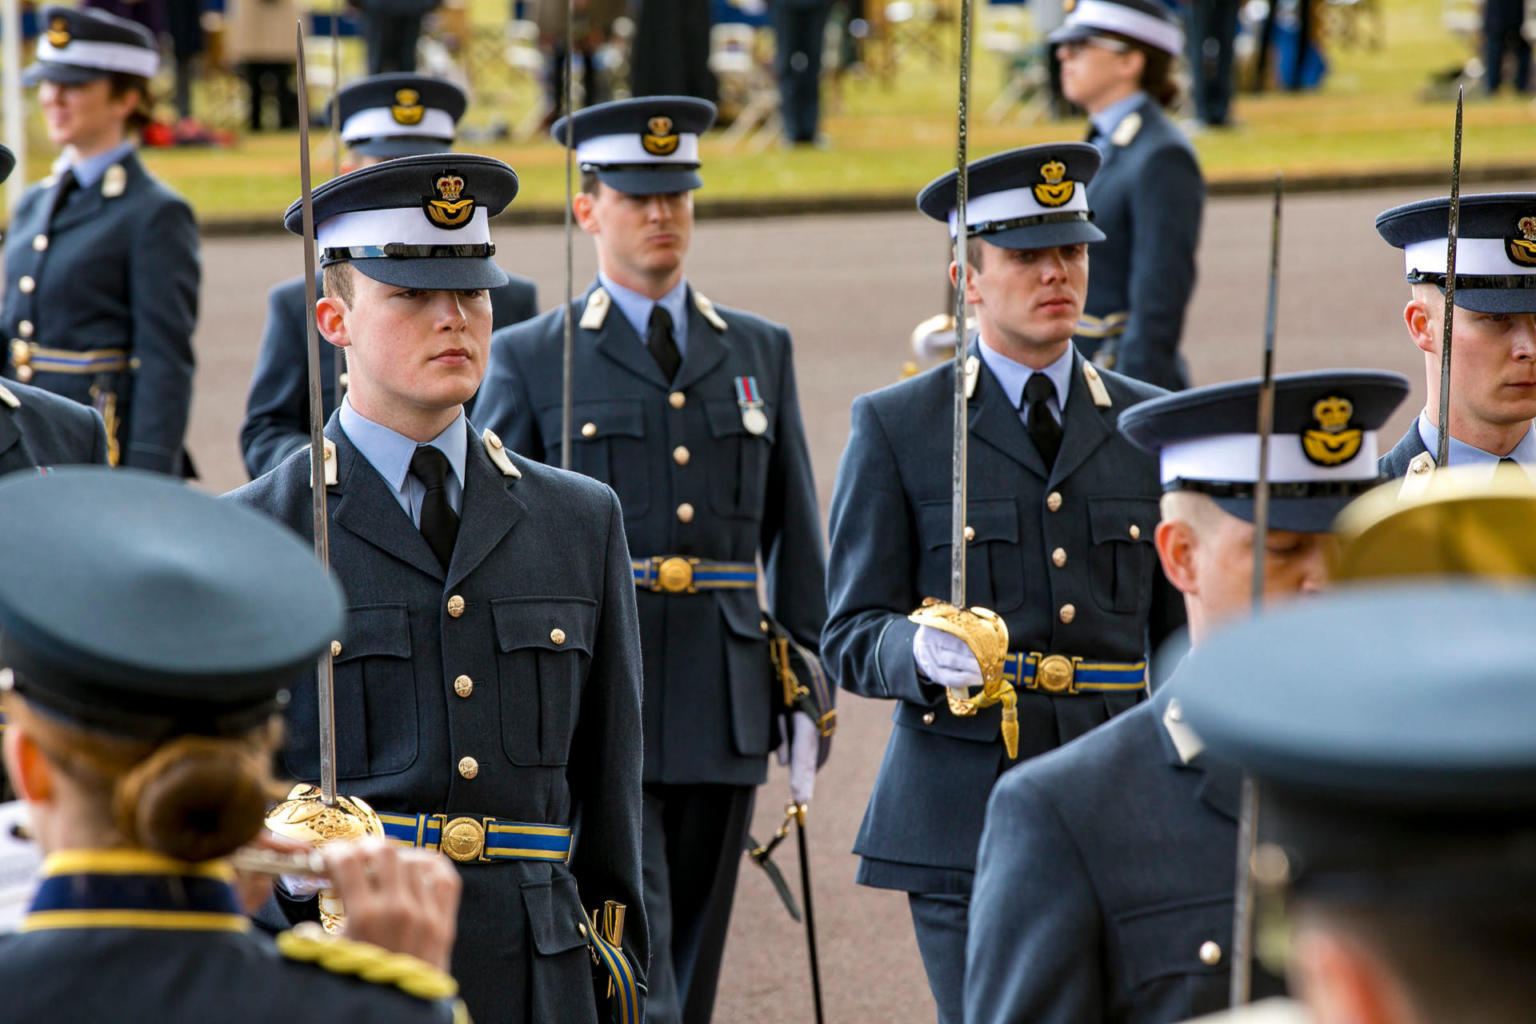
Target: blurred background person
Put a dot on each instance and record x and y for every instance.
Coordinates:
(670, 54)
(799, 28)
(391, 30)
(1211, 26)
(259, 42)
(1503, 36)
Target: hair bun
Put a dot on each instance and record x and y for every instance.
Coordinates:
(194, 799)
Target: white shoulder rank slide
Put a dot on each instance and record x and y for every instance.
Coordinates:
(707, 311)
(6, 398)
(330, 462)
(1126, 130)
(498, 453)
(972, 375)
(1096, 386)
(596, 312)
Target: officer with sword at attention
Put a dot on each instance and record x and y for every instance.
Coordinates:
(1060, 514)
(486, 684)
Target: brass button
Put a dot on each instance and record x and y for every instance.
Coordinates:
(335, 648)
(928, 717)
(581, 929)
(589, 430)
(463, 686)
(1053, 500)
(685, 513)
(21, 352)
(455, 606)
(469, 767)
(1135, 532)
(26, 284)
(677, 399)
(39, 243)
(762, 624)
(1210, 953)
(681, 455)
(1059, 557)
(970, 534)
(24, 328)
(494, 442)
(557, 636)
(24, 373)
(1068, 612)
(1175, 709)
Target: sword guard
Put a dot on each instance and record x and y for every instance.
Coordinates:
(306, 817)
(986, 634)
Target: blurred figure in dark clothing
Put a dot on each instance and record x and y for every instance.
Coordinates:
(1501, 35)
(1211, 30)
(799, 28)
(670, 55)
(391, 29)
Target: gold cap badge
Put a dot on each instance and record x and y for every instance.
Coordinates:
(1332, 442)
(1055, 190)
(659, 138)
(450, 207)
(407, 108)
(1522, 250)
(58, 32)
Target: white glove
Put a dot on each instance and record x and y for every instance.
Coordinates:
(301, 887)
(800, 752)
(944, 658)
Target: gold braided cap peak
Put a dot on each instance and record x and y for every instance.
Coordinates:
(309, 943)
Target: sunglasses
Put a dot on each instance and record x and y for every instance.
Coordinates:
(1075, 46)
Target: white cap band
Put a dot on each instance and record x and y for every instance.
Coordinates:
(1016, 202)
(379, 123)
(407, 226)
(1474, 256)
(85, 53)
(1235, 457)
(626, 149)
(1127, 21)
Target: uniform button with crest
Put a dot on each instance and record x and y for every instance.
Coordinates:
(335, 648)
(39, 243)
(589, 430)
(1053, 501)
(557, 636)
(1068, 612)
(27, 284)
(677, 399)
(970, 534)
(24, 328)
(24, 373)
(1135, 532)
(1059, 557)
(928, 717)
(469, 767)
(681, 455)
(685, 513)
(463, 686)
(455, 606)
(1210, 953)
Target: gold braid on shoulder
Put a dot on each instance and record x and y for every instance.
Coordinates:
(375, 964)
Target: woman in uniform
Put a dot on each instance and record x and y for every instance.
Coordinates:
(1117, 60)
(101, 259)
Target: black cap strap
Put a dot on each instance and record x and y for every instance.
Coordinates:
(1500, 281)
(992, 227)
(1294, 489)
(402, 251)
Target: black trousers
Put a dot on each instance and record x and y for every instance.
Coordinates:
(799, 32)
(692, 839)
(1212, 29)
(391, 40)
(670, 55)
(1501, 35)
(271, 79)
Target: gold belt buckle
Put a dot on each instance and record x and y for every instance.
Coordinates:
(675, 574)
(1055, 674)
(462, 839)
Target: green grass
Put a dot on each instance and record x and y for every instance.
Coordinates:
(892, 134)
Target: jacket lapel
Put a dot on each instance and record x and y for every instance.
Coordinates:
(706, 349)
(617, 341)
(367, 509)
(489, 510)
(13, 453)
(996, 421)
(1082, 425)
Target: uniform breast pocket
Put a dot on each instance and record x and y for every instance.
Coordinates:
(1180, 949)
(738, 460)
(375, 700)
(607, 444)
(544, 648)
(994, 566)
(1122, 558)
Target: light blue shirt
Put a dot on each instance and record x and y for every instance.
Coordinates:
(89, 171)
(1108, 119)
(390, 453)
(637, 309)
(1459, 453)
(1014, 376)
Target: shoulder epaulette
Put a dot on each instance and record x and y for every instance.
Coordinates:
(308, 943)
(1126, 130)
(1096, 388)
(330, 462)
(1417, 478)
(498, 454)
(707, 311)
(7, 398)
(596, 310)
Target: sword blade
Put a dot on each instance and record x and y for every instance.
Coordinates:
(962, 420)
(567, 355)
(805, 891)
(338, 358)
(323, 681)
(1443, 448)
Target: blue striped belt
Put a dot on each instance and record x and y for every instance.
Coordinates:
(468, 839)
(681, 574)
(63, 360)
(1110, 326)
(1059, 674)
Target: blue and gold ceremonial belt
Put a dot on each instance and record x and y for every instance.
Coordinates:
(1059, 674)
(63, 360)
(133, 889)
(1102, 326)
(681, 574)
(466, 839)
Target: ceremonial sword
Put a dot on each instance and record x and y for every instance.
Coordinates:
(339, 357)
(1443, 449)
(568, 345)
(1248, 813)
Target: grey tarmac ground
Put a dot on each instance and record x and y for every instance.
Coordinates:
(852, 288)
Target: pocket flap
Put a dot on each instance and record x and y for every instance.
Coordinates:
(595, 421)
(742, 615)
(550, 623)
(376, 631)
(1166, 940)
(1132, 520)
(992, 519)
(555, 917)
(725, 419)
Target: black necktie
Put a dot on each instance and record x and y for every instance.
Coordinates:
(1043, 428)
(439, 522)
(67, 184)
(658, 341)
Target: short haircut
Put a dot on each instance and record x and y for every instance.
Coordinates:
(119, 83)
(590, 181)
(1191, 507)
(975, 250)
(1157, 78)
(337, 278)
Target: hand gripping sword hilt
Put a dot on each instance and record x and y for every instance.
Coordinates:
(986, 634)
(306, 817)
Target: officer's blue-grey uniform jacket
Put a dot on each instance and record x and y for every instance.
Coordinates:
(1394, 464)
(1147, 199)
(1105, 870)
(890, 528)
(550, 713)
(277, 406)
(746, 494)
(113, 273)
(42, 429)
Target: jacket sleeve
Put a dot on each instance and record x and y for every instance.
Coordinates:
(1165, 231)
(519, 301)
(277, 406)
(871, 566)
(97, 451)
(502, 402)
(790, 541)
(163, 279)
(1032, 948)
(605, 779)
